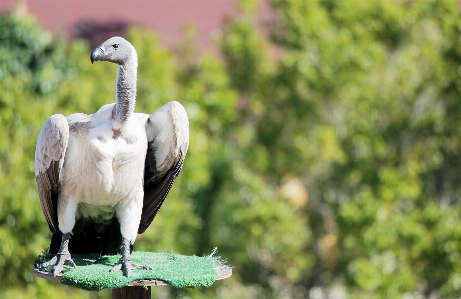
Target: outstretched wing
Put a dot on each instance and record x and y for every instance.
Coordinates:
(49, 159)
(167, 132)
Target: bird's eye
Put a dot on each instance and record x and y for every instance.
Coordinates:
(115, 46)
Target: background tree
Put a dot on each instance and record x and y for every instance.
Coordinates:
(379, 84)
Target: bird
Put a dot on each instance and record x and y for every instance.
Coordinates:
(103, 177)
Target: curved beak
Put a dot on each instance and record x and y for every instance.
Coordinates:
(96, 55)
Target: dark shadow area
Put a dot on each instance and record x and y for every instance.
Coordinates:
(96, 32)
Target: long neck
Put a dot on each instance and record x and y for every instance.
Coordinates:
(126, 93)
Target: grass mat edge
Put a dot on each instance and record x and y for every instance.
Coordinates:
(93, 270)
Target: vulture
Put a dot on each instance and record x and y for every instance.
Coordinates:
(103, 177)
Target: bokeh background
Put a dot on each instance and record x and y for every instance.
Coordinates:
(325, 151)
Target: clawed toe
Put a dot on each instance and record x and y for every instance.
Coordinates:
(60, 259)
(57, 263)
(127, 266)
(50, 262)
(116, 267)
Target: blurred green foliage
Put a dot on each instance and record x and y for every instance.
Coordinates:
(324, 159)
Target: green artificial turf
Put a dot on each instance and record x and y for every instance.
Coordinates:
(93, 271)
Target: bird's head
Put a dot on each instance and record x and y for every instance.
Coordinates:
(116, 49)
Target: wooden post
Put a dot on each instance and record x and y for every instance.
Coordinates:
(131, 293)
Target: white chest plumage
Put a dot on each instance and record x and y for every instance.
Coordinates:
(102, 170)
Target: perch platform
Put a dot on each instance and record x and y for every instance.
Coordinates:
(93, 273)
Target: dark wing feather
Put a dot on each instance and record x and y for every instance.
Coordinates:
(155, 193)
(168, 139)
(49, 159)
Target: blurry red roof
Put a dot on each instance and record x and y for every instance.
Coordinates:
(166, 17)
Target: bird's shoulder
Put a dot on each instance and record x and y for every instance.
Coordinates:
(103, 115)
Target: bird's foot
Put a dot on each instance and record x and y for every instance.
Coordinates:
(57, 263)
(127, 266)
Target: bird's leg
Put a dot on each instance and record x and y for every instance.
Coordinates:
(61, 258)
(125, 264)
